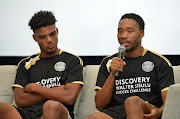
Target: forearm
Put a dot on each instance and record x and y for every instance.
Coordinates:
(103, 96)
(61, 93)
(25, 99)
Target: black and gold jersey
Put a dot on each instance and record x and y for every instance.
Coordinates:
(49, 72)
(145, 76)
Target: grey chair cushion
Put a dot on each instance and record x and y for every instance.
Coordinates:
(172, 105)
(87, 102)
(176, 70)
(7, 78)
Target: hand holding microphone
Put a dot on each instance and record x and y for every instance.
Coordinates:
(121, 51)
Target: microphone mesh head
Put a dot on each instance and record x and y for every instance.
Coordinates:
(122, 48)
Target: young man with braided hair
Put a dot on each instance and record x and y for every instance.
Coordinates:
(47, 83)
(140, 89)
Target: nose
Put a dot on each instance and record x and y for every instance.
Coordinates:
(124, 35)
(49, 39)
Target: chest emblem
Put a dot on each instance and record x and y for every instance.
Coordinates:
(147, 66)
(60, 66)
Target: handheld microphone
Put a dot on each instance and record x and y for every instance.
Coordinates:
(121, 51)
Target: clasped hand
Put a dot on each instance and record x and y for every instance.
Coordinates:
(117, 64)
(154, 112)
(30, 88)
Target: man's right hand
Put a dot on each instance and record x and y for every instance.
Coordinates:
(117, 64)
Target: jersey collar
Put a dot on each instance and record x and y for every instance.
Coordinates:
(144, 52)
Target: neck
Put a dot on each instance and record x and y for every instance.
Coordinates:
(135, 53)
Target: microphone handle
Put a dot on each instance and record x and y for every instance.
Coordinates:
(116, 73)
(120, 55)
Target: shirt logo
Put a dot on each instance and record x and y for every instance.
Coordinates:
(60, 66)
(108, 64)
(147, 66)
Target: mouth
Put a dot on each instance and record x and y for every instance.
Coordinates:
(125, 43)
(50, 46)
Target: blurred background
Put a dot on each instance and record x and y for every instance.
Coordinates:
(88, 28)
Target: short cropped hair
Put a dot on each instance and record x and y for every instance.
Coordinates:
(42, 19)
(135, 17)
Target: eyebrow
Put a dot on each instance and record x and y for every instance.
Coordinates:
(53, 32)
(119, 28)
(126, 28)
(41, 35)
(130, 28)
(46, 35)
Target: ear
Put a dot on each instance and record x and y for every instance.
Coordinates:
(34, 37)
(57, 30)
(142, 34)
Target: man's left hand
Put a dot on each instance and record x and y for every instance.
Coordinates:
(30, 88)
(155, 113)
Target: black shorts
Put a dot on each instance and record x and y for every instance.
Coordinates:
(116, 112)
(26, 116)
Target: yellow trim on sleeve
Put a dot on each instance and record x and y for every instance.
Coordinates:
(31, 62)
(108, 65)
(145, 50)
(107, 57)
(78, 82)
(16, 86)
(165, 89)
(97, 88)
(27, 58)
(163, 58)
(21, 61)
(108, 68)
(81, 62)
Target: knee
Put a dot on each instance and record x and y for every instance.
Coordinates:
(54, 110)
(5, 107)
(132, 100)
(52, 105)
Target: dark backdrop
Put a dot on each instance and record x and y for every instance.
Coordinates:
(87, 60)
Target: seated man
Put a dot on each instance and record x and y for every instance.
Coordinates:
(139, 90)
(47, 83)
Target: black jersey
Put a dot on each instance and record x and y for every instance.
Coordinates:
(48, 72)
(145, 76)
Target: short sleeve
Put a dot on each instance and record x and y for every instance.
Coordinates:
(165, 76)
(21, 79)
(103, 74)
(75, 72)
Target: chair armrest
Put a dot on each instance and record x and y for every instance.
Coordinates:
(172, 105)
